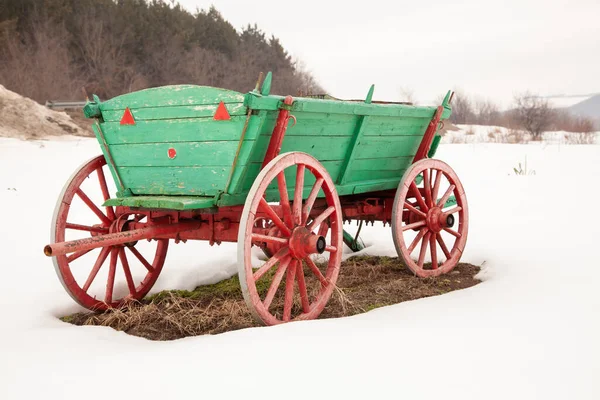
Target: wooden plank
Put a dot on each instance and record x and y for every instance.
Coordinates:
(308, 105)
(247, 148)
(387, 146)
(173, 95)
(325, 148)
(197, 181)
(181, 130)
(163, 202)
(189, 154)
(173, 112)
(395, 126)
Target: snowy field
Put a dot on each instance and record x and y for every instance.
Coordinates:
(531, 330)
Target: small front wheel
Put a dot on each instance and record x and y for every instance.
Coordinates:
(303, 238)
(430, 212)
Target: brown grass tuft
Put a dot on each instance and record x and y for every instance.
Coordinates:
(365, 283)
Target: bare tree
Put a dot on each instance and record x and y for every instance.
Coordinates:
(533, 113)
(407, 94)
(487, 112)
(462, 109)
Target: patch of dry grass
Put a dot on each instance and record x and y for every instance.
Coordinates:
(365, 283)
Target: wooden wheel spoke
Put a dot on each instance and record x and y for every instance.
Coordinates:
(316, 271)
(92, 206)
(141, 258)
(78, 227)
(433, 250)
(77, 254)
(298, 191)
(414, 210)
(424, 243)
(419, 236)
(266, 208)
(417, 224)
(446, 196)
(284, 199)
(452, 211)
(418, 197)
(324, 215)
(280, 256)
(302, 287)
(323, 229)
(110, 283)
(453, 232)
(427, 186)
(289, 292)
(310, 201)
(101, 178)
(256, 237)
(440, 240)
(99, 262)
(127, 271)
(276, 282)
(436, 185)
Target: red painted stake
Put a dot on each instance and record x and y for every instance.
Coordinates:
(278, 132)
(428, 136)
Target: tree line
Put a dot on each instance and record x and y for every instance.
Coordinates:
(51, 49)
(528, 112)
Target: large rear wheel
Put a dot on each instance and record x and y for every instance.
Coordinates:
(304, 242)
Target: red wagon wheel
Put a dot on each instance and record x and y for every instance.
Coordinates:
(422, 215)
(81, 273)
(291, 284)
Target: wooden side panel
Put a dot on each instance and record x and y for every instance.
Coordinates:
(197, 181)
(175, 146)
(170, 96)
(383, 152)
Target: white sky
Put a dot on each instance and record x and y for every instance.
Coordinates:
(488, 49)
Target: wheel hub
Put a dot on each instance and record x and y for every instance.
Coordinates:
(121, 224)
(303, 243)
(437, 220)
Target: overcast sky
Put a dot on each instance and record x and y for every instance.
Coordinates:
(488, 49)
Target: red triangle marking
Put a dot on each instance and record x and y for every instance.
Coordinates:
(221, 114)
(127, 118)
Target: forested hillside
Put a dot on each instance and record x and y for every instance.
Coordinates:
(50, 49)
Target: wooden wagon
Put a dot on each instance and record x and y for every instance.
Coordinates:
(277, 174)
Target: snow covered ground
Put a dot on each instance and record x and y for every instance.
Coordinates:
(531, 330)
(499, 134)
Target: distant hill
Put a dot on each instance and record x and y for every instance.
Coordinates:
(588, 108)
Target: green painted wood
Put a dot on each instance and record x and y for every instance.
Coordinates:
(173, 112)
(356, 137)
(387, 146)
(342, 107)
(178, 130)
(247, 148)
(174, 95)
(365, 146)
(196, 181)
(189, 154)
(335, 148)
(163, 202)
(434, 146)
(266, 86)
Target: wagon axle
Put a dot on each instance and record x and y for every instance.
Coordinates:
(118, 238)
